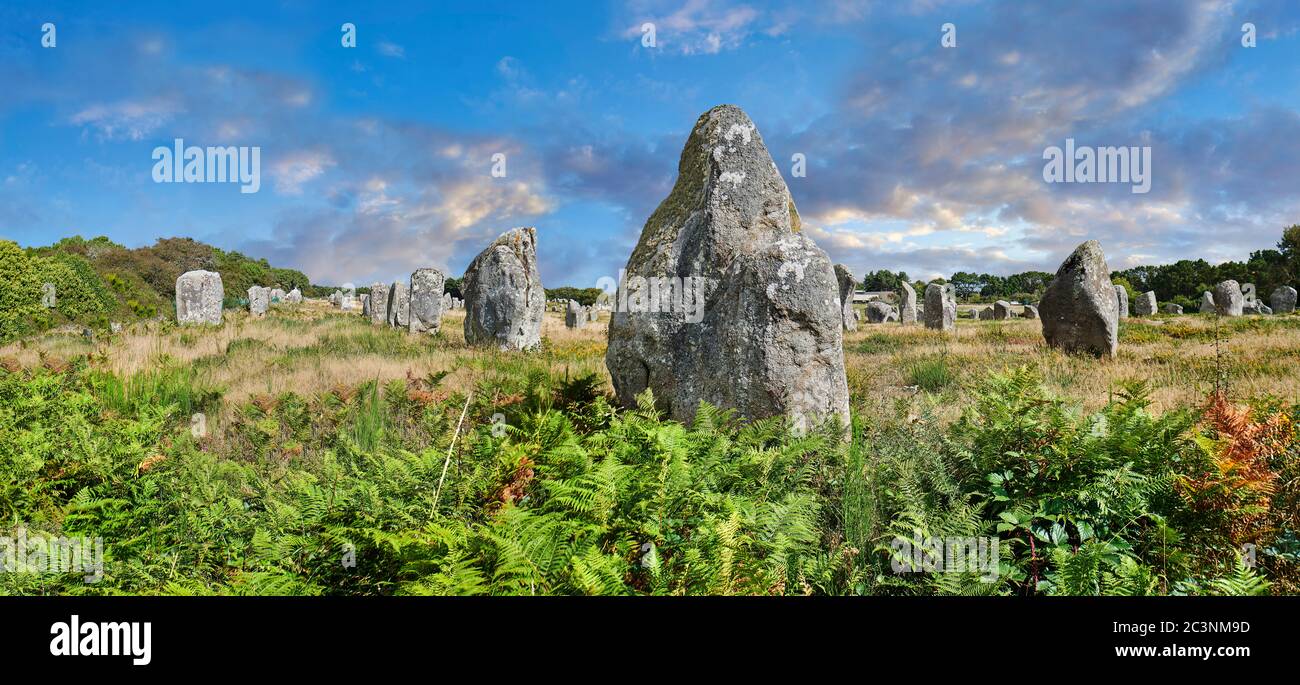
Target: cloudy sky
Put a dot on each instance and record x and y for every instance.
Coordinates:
(378, 159)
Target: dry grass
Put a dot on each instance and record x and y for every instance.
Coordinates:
(313, 349)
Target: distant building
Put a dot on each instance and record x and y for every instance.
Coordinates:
(860, 296)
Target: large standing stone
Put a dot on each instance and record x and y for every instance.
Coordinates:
(1282, 300)
(1121, 297)
(844, 278)
(198, 298)
(399, 303)
(1207, 302)
(768, 340)
(574, 316)
(907, 304)
(504, 300)
(378, 303)
(259, 299)
(1145, 304)
(426, 300)
(1002, 310)
(1228, 300)
(940, 307)
(1079, 310)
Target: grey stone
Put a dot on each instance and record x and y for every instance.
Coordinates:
(378, 304)
(768, 340)
(1171, 308)
(574, 315)
(1283, 299)
(986, 314)
(593, 315)
(277, 295)
(1079, 310)
(198, 298)
(1228, 300)
(1002, 310)
(1031, 312)
(880, 312)
(293, 296)
(844, 279)
(1207, 302)
(504, 300)
(940, 307)
(1145, 304)
(1121, 295)
(365, 305)
(907, 304)
(399, 305)
(259, 299)
(426, 300)
(114, 327)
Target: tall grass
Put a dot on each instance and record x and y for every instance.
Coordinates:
(183, 386)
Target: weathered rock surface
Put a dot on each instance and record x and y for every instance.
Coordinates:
(426, 300)
(1171, 308)
(940, 307)
(1207, 302)
(769, 339)
(504, 300)
(844, 278)
(880, 312)
(399, 303)
(1002, 310)
(1121, 296)
(1282, 300)
(259, 300)
(1079, 310)
(907, 305)
(1146, 304)
(198, 298)
(365, 305)
(293, 296)
(1031, 312)
(986, 314)
(1228, 300)
(378, 304)
(574, 315)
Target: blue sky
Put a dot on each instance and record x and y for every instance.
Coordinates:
(377, 159)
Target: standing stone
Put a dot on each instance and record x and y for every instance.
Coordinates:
(365, 305)
(844, 278)
(504, 300)
(426, 300)
(293, 296)
(880, 312)
(1171, 308)
(1228, 300)
(907, 305)
(1079, 309)
(1002, 310)
(1121, 296)
(574, 316)
(986, 314)
(399, 303)
(593, 315)
(378, 303)
(198, 298)
(1145, 304)
(1282, 300)
(277, 295)
(1031, 312)
(336, 298)
(1207, 302)
(940, 307)
(259, 299)
(768, 338)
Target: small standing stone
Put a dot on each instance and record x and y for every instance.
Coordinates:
(1228, 300)
(426, 300)
(198, 298)
(574, 316)
(1171, 308)
(1031, 312)
(844, 280)
(378, 303)
(907, 305)
(399, 303)
(1207, 302)
(259, 299)
(1121, 296)
(880, 312)
(1146, 304)
(1001, 310)
(940, 307)
(1283, 299)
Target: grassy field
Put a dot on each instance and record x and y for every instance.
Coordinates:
(450, 470)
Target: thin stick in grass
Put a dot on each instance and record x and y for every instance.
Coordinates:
(437, 495)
